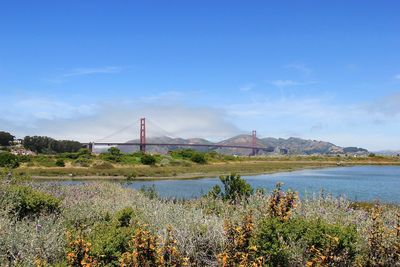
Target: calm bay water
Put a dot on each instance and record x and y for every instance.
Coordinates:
(362, 183)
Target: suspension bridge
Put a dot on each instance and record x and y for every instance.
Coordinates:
(143, 144)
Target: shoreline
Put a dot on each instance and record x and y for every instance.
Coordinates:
(197, 175)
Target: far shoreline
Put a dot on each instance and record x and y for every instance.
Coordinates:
(195, 176)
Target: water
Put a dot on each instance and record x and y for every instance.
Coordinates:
(361, 183)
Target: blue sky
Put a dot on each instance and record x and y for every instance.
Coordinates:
(326, 70)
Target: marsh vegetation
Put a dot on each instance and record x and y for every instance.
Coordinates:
(104, 224)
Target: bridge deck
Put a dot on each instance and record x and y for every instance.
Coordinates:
(178, 144)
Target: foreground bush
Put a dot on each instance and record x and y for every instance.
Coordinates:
(320, 242)
(281, 204)
(112, 225)
(109, 241)
(149, 250)
(383, 242)
(239, 251)
(25, 201)
(8, 160)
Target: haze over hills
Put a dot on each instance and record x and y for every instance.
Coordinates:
(292, 145)
(387, 152)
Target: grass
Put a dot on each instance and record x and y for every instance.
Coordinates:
(192, 171)
(181, 169)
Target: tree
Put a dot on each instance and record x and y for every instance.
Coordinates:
(6, 138)
(44, 144)
(235, 188)
(38, 144)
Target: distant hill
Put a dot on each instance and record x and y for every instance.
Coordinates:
(301, 146)
(166, 140)
(242, 140)
(387, 152)
(292, 146)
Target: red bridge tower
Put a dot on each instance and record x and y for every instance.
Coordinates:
(254, 142)
(143, 135)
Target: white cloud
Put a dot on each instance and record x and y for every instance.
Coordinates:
(247, 87)
(89, 71)
(26, 110)
(299, 67)
(320, 118)
(288, 83)
(293, 107)
(325, 119)
(164, 97)
(285, 83)
(84, 72)
(62, 120)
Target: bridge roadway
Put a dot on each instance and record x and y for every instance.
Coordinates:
(268, 149)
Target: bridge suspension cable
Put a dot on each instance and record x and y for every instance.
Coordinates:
(160, 129)
(143, 143)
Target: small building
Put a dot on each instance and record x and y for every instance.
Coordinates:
(22, 152)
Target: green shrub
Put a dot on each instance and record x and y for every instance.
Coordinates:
(193, 155)
(82, 162)
(315, 237)
(69, 155)
(130, 159)
(198, 158)
(235, 188)
(45, 161)
(26, 201)
(182, 153)
(215, 191)
(24, 158)
(124, 217)
(113, 154)
(111, 239)
(84, 151)
(60, 163)
(8, 160)
(148, 159)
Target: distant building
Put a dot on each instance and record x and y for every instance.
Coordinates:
(16, 143)
(22, 152)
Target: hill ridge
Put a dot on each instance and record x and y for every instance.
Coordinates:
(290, 145)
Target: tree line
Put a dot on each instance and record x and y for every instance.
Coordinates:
(41, 144)
(44, 144)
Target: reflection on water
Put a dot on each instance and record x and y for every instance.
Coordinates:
(363, 183)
